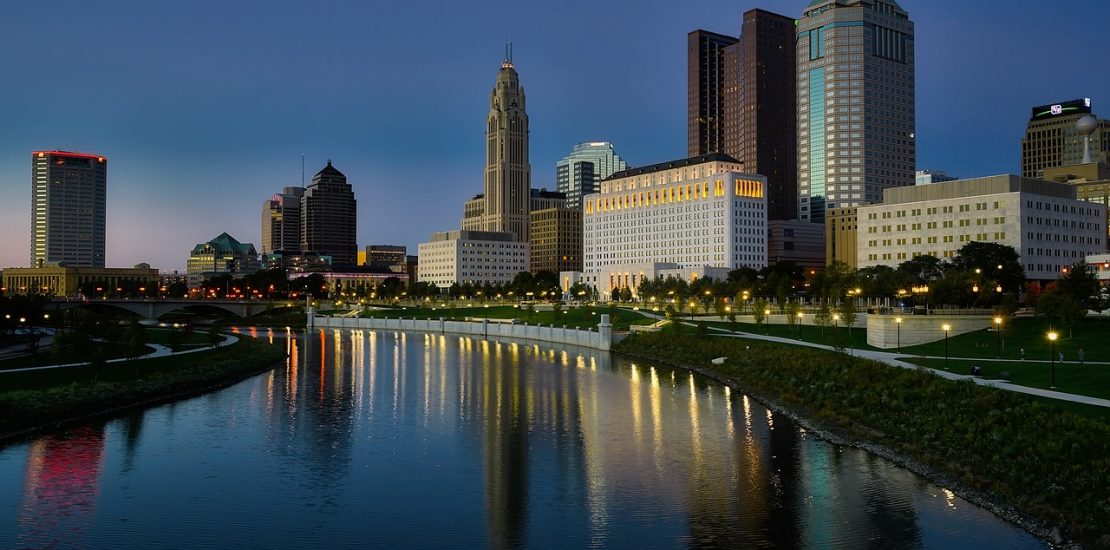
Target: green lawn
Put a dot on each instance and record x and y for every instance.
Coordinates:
(829, 336)
(575, 316)
(162, 336)
(46, 357)
(1030, 333)
(1071, 377)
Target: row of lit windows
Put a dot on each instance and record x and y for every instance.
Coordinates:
(688, 192)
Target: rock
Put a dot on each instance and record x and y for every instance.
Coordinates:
(719, 361)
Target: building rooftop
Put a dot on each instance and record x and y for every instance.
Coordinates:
(702, 159)
(973, 187)
(330, 170)
(225, 243)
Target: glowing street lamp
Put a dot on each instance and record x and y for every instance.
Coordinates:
(800, 316)
(898, 323)
(997, 336)
(767, 327)
(1052, 336)
(946, 327)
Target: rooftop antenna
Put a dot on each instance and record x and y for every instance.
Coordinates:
(302, 169)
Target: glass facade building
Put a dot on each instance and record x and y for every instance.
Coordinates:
(580, 173)
(856, 117)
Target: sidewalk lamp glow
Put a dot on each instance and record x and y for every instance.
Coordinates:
(946, 327)
(997, 336)
(898, 323)
(1052, 336)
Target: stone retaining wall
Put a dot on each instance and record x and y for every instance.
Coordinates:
(601, 339)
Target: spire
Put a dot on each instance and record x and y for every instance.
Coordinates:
(508, 62)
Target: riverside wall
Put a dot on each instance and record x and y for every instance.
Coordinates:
(602, 338)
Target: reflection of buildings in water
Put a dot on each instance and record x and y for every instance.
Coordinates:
(853, 490)
(313, 434)
(61, 486)
(132, 428)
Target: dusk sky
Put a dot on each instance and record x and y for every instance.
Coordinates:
(204, 108)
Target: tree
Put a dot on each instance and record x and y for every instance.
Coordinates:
(920, 270)
(879, 280)
(135, 340)
(392, 287)
(1060, 309)
(994, 262)
(793, 308)
(1081, 285)
(175, 340)
(847, 311)
(579, 291)
(823, 318)
(214, 335)
(759, 311)
(626, 294)
(719, 307)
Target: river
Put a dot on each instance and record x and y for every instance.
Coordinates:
(393, 440)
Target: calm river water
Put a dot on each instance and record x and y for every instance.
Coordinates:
(383, 440)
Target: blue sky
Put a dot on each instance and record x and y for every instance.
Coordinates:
(204, 108)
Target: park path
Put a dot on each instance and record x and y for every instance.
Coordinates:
(159, 351)
(893, 359)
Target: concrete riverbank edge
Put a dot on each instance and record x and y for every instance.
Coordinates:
(842, 436)
(601, 339)
(155, 397)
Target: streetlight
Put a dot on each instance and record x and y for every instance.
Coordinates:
(767, 314)
(1052, 338)
(898, 323)
(946, 328)
(799, 325)
(997, 336)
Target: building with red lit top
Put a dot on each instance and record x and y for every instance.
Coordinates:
(68, 198)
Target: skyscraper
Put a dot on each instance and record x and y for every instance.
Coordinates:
(508, 175)
(1052, 138)
(281, 222)
(328, 218)
(710, 80)
(855, 62)
(579, 173)
(68, 199)
(765, 138)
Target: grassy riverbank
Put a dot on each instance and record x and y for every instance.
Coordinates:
(1049, 463)
(43, 398)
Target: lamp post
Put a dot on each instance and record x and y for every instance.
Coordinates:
(898, 323)
(767, 315)
(997, 336)
(799, 325)
(946, 328)
(1052, 336)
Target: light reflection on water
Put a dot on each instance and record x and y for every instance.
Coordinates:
(414, 440)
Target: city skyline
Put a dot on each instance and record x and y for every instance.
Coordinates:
(201, 123)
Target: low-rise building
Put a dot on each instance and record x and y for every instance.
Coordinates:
(1099, 264)
(1044, 221)
(796, 241)
(1091, 182)
(221, 256)
(73, 281)
(462, 256)
(840, 236)
(694, 214)
(556, 235)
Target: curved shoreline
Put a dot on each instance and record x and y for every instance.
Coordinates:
(14, 436)
(838, 436)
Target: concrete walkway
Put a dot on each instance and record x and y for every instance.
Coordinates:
(159, 351)
(893, 359)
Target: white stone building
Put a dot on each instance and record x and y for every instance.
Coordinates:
(1042, 220)
(700, 216)
(462, 256)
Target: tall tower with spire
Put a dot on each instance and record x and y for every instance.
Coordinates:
(508, 175)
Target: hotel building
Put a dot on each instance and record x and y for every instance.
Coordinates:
(1044, 221)
(68, 205)
(701, 216)
(463, 256)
